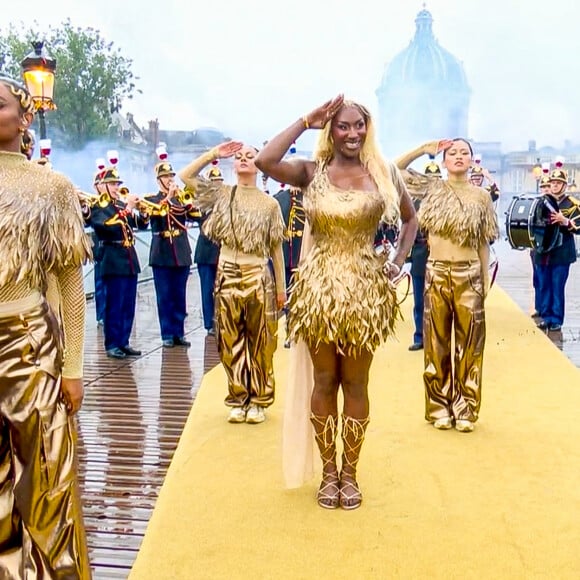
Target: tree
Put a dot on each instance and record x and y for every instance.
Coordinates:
(92, 77)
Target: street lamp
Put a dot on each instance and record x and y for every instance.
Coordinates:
(38, 70)
(537, 173)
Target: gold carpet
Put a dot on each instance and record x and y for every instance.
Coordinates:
(501, 502)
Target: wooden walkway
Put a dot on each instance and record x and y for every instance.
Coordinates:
(134, 412)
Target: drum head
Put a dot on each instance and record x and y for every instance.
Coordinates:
(518, 218)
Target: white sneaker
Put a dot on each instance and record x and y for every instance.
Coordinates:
(237, 415)
(255, 414)
(444, 423)
(464, 426)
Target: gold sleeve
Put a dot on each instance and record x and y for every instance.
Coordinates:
(190, 173)
(279, 267)
(67, 247)
(72, 310)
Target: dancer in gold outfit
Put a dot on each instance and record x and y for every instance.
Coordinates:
(342, 303)
(41, 527)
(460, 222)
(248, 225)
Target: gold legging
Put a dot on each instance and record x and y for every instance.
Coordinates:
(246, 331)
(41, 527)
(453, 309)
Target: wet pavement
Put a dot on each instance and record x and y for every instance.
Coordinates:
(134, 411)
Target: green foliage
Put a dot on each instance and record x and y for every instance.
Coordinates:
(92, 77)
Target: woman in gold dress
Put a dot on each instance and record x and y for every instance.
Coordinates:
(343, 304)
(460, 222)
(248, 226)
(41, 385)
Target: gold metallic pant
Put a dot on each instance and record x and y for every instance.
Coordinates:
(453, 308)
(246, 330)
(41, 527)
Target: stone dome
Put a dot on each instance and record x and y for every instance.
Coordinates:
(425, 62)
(423, 94)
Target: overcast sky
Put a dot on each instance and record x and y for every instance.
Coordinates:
(250, 67)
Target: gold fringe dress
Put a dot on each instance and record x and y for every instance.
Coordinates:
(341, 294)
(454, 300)
(41, 232)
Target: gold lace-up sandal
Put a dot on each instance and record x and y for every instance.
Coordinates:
(325, 429)
(353, 435)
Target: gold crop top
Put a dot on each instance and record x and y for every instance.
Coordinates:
(460, 212)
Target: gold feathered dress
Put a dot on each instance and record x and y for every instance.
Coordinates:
(454, 299)
(341, 294)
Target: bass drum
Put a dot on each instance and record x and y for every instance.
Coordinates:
(528, 223)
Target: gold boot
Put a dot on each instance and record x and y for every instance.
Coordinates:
(325, 429)
(353, 435)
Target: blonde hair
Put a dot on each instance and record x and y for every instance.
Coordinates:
(371, 159)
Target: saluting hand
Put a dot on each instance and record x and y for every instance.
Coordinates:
(318, 118)
(227, 149)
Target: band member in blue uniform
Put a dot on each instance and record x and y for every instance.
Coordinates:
(113, 221)
(553, 266)
(206, 259)
(170, 255)
(99, 295)
(290, 200)
(478, 175)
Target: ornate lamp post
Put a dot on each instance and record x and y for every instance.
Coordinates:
(537, 173)
(38, 70)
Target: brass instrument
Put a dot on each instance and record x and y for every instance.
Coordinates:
(150, 207)
(92, 199)
(185, 197)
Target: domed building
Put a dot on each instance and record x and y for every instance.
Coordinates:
(424, 94)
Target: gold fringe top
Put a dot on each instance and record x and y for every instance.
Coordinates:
(251, 222)
(461, 213)
(42, 230)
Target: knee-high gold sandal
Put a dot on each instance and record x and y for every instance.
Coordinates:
(325, 429)
(353, 435)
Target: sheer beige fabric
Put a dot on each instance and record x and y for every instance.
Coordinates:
(298, 456)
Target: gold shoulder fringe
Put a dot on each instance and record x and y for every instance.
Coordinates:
(467, 218)
(253, 224)
(41, 224)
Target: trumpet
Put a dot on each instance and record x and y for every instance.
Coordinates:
(150, 207)
(92, 199)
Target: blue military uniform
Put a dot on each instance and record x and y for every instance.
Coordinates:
(170, 258)
(293, 213)
(553, 266)
(113, 228)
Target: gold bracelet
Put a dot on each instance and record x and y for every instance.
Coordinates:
(305, 122)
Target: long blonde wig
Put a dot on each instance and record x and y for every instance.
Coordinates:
(371, 159)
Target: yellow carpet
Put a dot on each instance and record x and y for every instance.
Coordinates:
(501, 502)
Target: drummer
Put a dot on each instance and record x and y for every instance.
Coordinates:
(553, 266)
